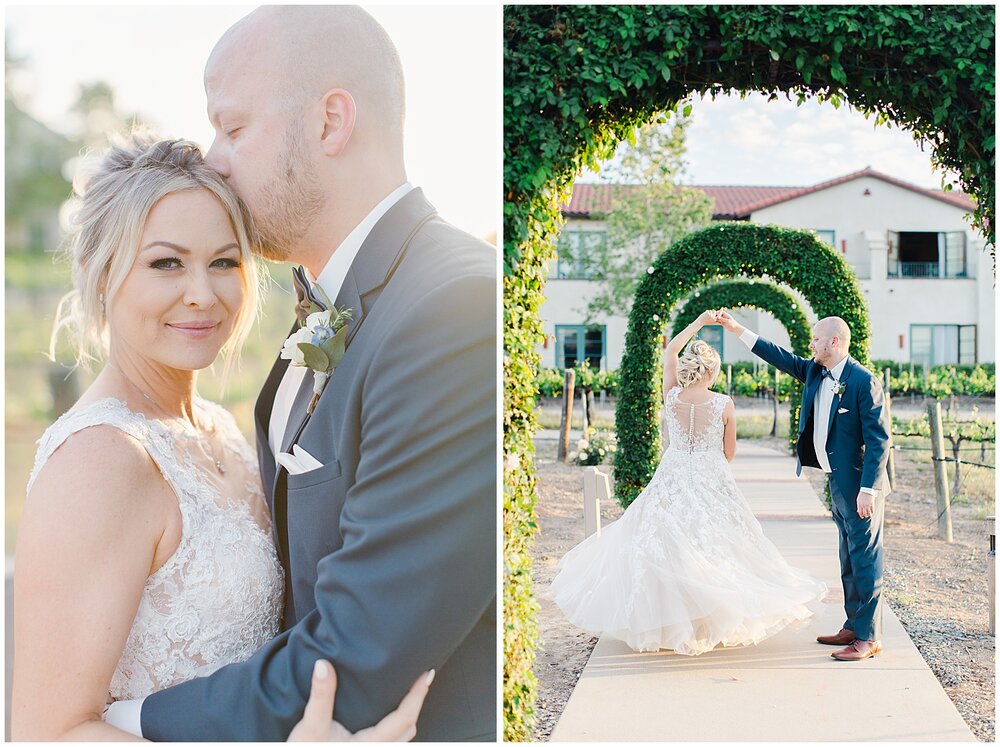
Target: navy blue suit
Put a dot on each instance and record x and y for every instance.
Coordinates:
(857, 447)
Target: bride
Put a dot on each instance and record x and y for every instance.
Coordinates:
(687, 566)
(145, 556)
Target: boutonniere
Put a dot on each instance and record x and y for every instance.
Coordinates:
(839, 387)
(318, 345)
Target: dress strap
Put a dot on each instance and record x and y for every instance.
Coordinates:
(153, 436)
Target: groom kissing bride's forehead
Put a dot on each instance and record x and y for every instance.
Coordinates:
(382, 490)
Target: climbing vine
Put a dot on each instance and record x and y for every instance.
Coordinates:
(579, 78)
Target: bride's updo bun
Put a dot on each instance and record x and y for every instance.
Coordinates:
(699, 361)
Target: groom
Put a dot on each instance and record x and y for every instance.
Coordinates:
(844, 431)
(389, 545)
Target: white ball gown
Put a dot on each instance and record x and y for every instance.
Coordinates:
(687, 566)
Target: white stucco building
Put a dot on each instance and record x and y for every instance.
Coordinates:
(928, 281)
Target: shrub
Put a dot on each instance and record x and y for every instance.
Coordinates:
(596, 447)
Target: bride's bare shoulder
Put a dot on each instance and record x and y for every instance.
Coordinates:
(99, 466)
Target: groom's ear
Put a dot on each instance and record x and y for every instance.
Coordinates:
(339, 113)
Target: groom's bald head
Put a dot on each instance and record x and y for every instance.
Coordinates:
(298, 53)
(831, 340)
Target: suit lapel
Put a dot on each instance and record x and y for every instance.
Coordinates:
(377, 259)
(265, 400)
(808, 402)
(835, 403)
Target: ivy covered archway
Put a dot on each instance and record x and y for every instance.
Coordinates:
(756, 294)
(793, 257)
(579, 78)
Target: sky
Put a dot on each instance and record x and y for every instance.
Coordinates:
(760, 143)
(153, 56)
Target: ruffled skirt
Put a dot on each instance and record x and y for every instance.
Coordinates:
(687, 567)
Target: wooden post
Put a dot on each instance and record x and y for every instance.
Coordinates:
(729, 379)
(777, 383)
(585, 416)
(595, 489)
(890, 466)
(567, 416)
(991, 570)
(940, 471)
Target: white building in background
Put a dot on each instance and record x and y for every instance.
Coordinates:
(924, 272)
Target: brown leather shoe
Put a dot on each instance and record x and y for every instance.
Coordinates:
(844, 638)
(858, 650)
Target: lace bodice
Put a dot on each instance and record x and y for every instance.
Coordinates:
(696, 427)
(218, 598)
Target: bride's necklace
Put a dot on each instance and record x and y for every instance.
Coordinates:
(209, 451)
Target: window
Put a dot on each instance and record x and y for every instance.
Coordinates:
(712, 334)
(942, 344)
(927, 254)
(827, 237)
(579, 342)
(576, 254)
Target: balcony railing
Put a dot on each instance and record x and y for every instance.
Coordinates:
(922, 270)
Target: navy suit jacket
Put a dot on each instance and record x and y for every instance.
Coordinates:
(859, 440)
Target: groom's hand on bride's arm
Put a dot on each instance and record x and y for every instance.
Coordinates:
(317, 724)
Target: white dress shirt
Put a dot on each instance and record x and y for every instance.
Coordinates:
(126, 714)
(821, 413)
(821, 407)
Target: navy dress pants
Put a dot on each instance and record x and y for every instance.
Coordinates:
(861, 562)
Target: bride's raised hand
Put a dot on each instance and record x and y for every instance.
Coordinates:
(318, 726)
(708, 317)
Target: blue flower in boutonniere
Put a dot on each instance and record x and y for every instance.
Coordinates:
(319, 345)
(839, 387)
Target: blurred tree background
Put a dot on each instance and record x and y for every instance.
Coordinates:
(40, 163)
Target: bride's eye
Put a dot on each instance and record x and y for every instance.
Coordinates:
(226, 263)
(167, 263)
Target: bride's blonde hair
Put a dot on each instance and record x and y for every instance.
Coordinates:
(698, 361)
(110, 205)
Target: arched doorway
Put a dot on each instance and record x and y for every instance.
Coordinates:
(764, 296)
(792, 257)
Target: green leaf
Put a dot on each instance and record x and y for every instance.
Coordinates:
(334, 347)
(774, 55)
(665, 72)
(316, 359)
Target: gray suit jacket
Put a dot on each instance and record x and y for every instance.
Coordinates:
(389, 547)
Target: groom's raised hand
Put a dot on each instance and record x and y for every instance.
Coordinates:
(729, 323)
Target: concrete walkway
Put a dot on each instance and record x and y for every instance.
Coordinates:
(785, 689)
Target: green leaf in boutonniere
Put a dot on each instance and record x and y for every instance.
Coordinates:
(319, 345)
(336, 346)
(314, 357)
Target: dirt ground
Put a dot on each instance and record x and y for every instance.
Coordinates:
(939, 591)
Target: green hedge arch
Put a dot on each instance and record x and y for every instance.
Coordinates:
(756, 294)
(578, 78)
(792, 257)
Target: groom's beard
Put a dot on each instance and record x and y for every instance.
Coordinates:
(288, 205)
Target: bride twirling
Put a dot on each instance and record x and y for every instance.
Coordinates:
(687, 566)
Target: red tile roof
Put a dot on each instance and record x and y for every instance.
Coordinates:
(740, 202)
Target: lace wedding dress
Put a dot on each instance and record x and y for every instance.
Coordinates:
(687, 566)
(218, 598)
